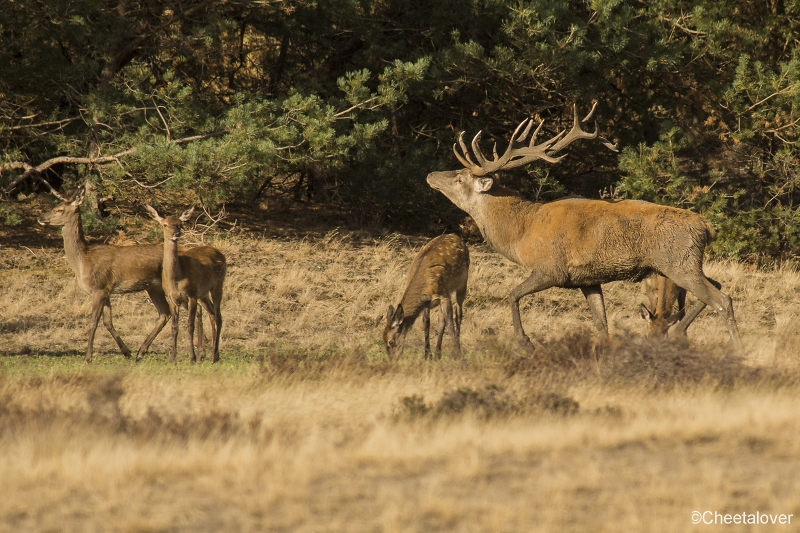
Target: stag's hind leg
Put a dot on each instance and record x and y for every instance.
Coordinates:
(597, 305)
(692, 313)
(708, 294)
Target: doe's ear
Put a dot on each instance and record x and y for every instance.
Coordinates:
(153, 213)
(646, 313)
(186, 214)
(397, 316)
(483, 184)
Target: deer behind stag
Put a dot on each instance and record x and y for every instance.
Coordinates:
(196, 274)
(576, 242)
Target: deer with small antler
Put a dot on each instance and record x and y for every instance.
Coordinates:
(191, 275)
(577, 242)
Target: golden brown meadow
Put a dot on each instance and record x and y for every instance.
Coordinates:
(305, 426)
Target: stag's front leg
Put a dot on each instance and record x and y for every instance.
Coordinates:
(535, 283)
(426, 326)
(597, 305)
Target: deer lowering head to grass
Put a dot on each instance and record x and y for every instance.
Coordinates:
(103, 270)
(659, 311)
(194, 274)
(438, 270)
(576, 242)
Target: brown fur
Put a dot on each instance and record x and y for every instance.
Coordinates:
(440, 269)
(581, 243)
(103, 270)
(195, 274)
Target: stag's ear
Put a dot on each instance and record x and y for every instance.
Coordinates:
(483, 184)
(153, 213)
(646, 313)
(186, 214)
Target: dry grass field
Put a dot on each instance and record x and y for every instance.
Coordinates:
(306, 426)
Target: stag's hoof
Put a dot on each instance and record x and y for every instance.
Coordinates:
(678, 337)
(525, 344)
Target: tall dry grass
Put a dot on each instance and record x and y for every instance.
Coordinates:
(305, 426)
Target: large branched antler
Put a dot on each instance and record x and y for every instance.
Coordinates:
(517, 154)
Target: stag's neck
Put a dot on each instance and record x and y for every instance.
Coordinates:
(75, 245)
(503, 218)
(171, 272)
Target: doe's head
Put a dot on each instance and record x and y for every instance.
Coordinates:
(171, 225)
(63, 212)
(394, 331)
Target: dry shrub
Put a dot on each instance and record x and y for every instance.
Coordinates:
(485, 403)
(643, 363)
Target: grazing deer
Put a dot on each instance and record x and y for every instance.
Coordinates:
(194, 274)
(577, 242)
(438, 270)
(103, 270)
(662, 295)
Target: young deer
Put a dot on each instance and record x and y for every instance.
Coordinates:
(438, 270)
(194, 274)
(575, 242)
(660, 314)
(103, 270)
(662, 294)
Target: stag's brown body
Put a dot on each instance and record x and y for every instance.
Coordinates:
(103, 270)
(581, 243)
(196, 274)
(438, 271)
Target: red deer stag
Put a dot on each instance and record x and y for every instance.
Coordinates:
(194, 274)
(103, 270)
(438, 270)
(577, 242)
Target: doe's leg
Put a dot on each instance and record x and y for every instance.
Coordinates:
(109, 324)
(159, 300)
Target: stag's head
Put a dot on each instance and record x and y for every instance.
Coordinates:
(464, 187)
(171, 225)
(63, 212)
(395, 330)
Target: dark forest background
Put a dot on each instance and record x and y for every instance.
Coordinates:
(348, 105)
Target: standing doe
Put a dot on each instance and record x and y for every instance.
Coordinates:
(576, 242)
(438, 270)
(194, 274)
(104, 269)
